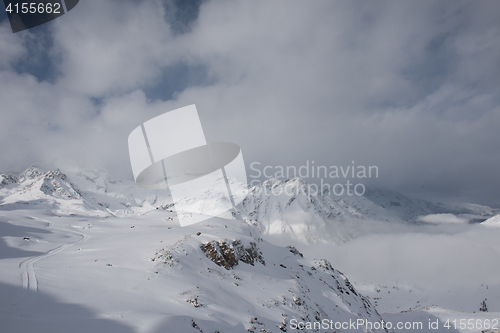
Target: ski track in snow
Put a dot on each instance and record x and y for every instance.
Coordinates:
(29, 287)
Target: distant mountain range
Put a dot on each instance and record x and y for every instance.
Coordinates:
(284, 207)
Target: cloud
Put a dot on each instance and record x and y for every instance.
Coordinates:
(411, 87)
(442, 218)
(430, 257)
(11, 47)
(114, 47)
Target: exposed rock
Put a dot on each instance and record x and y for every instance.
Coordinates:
(228, 254)
(30, 173)
(58, 182)
(7, 180)
(294, 251)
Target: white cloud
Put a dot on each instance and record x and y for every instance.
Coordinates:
(437, 258)
(113, 47)
(442, 218)
(408, 86)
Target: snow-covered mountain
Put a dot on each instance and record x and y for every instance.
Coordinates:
(53, 190)
(493, 221)
(262, 287)
(123, 258)
(118, 196)
(85, 192)
(89, 252)
(291, 208)
(276, 207)
(32, 183)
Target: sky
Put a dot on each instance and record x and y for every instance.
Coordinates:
(411, 87)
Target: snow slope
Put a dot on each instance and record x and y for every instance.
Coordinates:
(146, 274)
(290, 208)
(493, 221)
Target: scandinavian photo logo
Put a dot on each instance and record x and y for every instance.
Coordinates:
(29, 14)
(205, 179)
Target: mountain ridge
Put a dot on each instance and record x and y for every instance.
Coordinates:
(275, 206)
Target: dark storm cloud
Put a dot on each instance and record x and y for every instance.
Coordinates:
(412, 87)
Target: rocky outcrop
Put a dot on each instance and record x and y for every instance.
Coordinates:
(7, 180)
(228, 254)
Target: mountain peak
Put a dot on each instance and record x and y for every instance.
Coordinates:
(56, 182)
(30, 173)
(33, 180)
